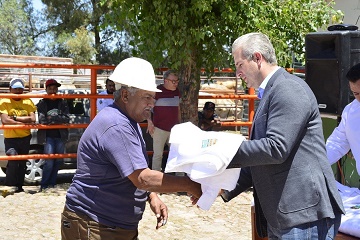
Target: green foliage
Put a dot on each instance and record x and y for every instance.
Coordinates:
(79, 45)
(65, 17)
(109, 57)
(189, 34)
(201, 31)
(17, 32)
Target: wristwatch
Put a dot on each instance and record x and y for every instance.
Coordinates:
(225, 196)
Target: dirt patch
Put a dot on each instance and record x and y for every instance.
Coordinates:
(33, 215)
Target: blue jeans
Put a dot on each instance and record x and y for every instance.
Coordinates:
(51, 166)
(323, 229)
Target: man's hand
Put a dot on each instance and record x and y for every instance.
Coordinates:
(193, 199)
(195, 192)
(159, 208)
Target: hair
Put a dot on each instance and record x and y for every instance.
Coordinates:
(107, 80)
(207, 104)
(168, 72)
(255, 42)
(353, 75)
(131, 90)
(117, 95)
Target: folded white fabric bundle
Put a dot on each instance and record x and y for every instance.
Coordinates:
(350, 222)
(204, 157)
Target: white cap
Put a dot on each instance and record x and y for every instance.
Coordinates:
(135, 72)
(17, 83)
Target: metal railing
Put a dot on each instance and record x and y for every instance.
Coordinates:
(93, 96)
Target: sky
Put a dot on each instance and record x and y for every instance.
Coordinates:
(38, 4)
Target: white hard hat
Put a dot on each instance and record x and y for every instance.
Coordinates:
(135, 72)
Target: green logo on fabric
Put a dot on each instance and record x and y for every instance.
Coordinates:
(208, 142)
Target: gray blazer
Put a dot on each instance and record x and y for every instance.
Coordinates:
(286, 158)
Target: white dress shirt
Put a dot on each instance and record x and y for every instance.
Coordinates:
(103, 102)
(262, 86)
(346, 136)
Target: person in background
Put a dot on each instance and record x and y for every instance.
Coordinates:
(207, 117)
(52, 111)
(112, 183)
(166, 114)
(284, 160)
(345, 137)
(104, 102)
(16, 111)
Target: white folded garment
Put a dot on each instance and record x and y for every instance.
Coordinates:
(350, 222)
(204, 156)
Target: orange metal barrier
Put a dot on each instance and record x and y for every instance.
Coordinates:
(47, 156)
(38, 156)
(93, 75)
(41, 126)
(251, 97)
(93, 96)
(29, 95)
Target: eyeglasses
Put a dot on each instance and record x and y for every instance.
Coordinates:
(173, 81)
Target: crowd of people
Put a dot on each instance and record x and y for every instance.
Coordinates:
(286, 163)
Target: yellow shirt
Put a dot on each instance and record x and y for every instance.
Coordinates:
(23, 107)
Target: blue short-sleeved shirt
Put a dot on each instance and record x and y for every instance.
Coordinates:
(111, 148)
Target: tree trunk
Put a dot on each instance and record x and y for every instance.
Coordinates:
(189, 88)
(96, 22)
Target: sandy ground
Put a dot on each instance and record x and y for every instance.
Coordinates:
(32, 215)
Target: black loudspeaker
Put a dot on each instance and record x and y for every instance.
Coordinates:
(329, 56)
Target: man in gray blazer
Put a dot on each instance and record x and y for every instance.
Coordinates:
(285, 159)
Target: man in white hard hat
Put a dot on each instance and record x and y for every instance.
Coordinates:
(113, 182)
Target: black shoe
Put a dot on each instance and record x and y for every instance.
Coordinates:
(19, 189)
